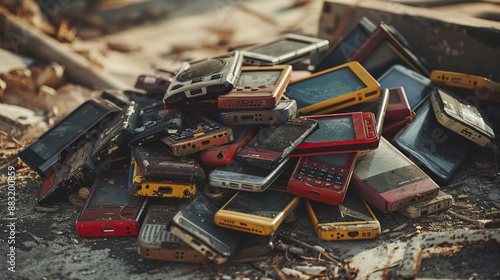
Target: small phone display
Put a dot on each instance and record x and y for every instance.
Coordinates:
(156, 242)
(351, 220)
(257, 88)
(280, 114)
(353, 132)
(417, 87)
(110, 210)
(198, 133)
(463, 119)
(333, 89)
(194, 224)
(273, 144)
(257, 213)
(82, 125)
(244, 176)
(286, 49)
(323, 178)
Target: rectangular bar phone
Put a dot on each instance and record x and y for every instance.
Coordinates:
(257, 213)
(157, 243)
(389, 181)
(333, 89)
(284, 110)
(198, 133)
(353, 132)
(257, 88)
(323, 178)
(285, 49)
(194, 224)
(82, 125)
(110, 210)
(351, 220)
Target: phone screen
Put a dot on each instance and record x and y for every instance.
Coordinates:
(335, 160)
(279, 48)
(324, 87)
(356, 210)
(111, 191)
(332, 129)
(267, 204)
(381, 58)
(416, 88)
(69, 128)
(258, 78)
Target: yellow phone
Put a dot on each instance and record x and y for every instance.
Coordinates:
(257, 212)
(333, 89)
(351, 220)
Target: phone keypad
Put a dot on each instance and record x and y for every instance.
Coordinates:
(321, 175)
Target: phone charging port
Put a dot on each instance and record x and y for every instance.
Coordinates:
(353, 233)
(314, 193)
(107, 230)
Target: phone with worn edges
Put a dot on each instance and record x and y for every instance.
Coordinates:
(432, 146)
(110, 210)
(224, 154)
(286, 49)
(416, 86)
(273, 144)
(154, 123)
(257, 87)
(323, 178)
(484, 88)
(440, 202)
(462, 118)
(384, 48)
(257, 213)
(343, 49)
(117, 135)
(354, 132)
(82, 125)
(194, 224)
(389, 181)
(333, 89)
(157, 243)
(197, 134)
(157, 163)
(140, 186)
(244, 176)
(77, 171)
(353, 219)
(204, 79)
(285, 109)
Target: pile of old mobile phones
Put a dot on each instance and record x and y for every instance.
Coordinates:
(204, 79)
(285, 49)
(117, 134)
(273, 144)
(110, 210)
(198, 133)
(155, 123)
(82, 125)
(333, 89)
(464, 119)
(351, 220)
(257, 213)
